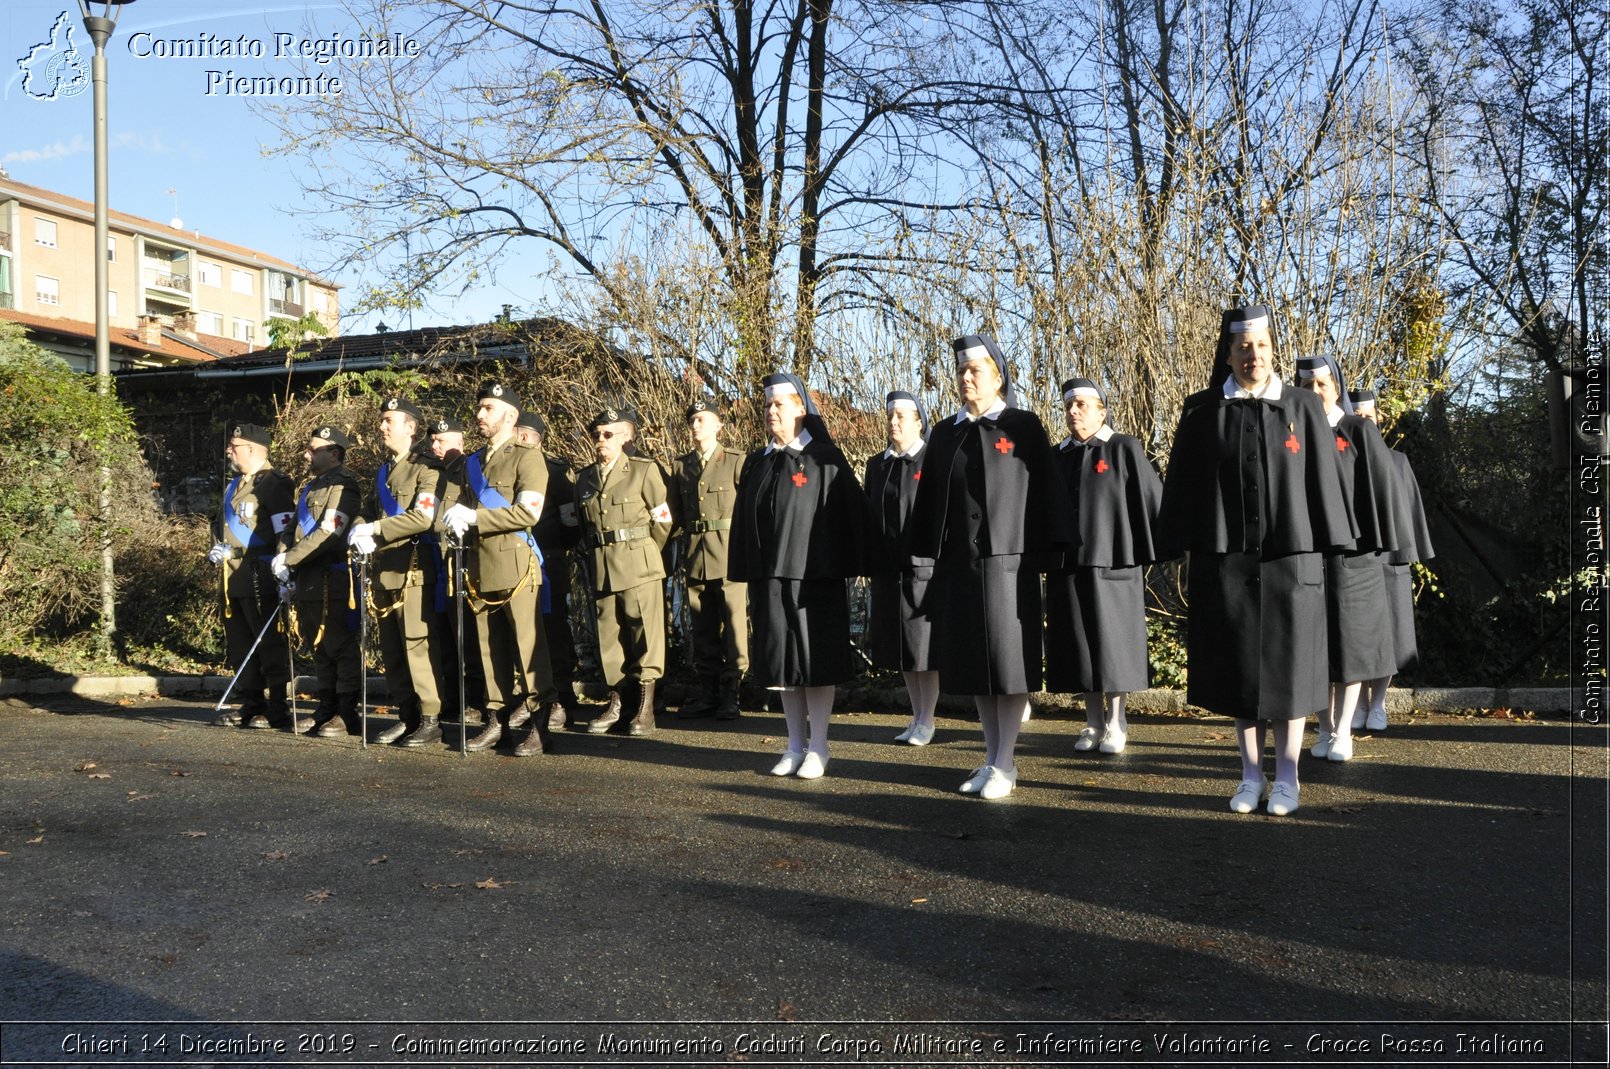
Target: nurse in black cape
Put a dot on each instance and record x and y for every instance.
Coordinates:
(797, 538)
(992, 515)
(1254, 496)
(1356, 611)
(900, 629)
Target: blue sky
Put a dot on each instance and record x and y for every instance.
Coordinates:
(167, 132)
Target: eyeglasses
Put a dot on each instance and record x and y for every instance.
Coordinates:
(604, 436)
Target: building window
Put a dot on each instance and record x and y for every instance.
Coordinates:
(208, 274)
(240, 281)
(111, 248)
(47, 290)
(244, 330)
(111, 303)
(210, 323)
(45, 233)
(321, 302)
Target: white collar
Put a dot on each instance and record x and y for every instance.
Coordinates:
(916, 447)
(1270, 392)
(1103, 434)
(796, 446)
(1333, 415)
(992, 412)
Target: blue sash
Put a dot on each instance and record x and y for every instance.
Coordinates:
(245, 535)
(392, 507)
(490, 497)
(388, 501)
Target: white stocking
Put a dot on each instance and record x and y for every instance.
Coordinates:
(923, 690)
(1011, 710)
(1344, 699)
(819, 703)
(1249, 740)
(1289, 747)
(794, 715)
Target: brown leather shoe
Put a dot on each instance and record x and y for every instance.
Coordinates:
(393, 733)
(491, 732)
(429, 730)
(558, 718)
(643, 722)
(531, 745)
(609, 717)
(520, 715)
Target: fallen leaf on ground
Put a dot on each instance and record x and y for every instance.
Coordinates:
(276, 855)
(194, 834)
(318, 896)
(32, 842)
(85, 767)
(136, 796)
(786, 864)
(488, 884)
(99, 775)
(918, 901)
(381, 860)
(786, 1010)
(176, 772)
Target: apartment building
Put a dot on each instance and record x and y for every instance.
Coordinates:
(161, 279)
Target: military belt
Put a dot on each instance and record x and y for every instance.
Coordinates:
(620, 534)
(701, 526)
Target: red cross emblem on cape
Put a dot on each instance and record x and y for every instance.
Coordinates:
(1291, 444)
(1101, 465)
(799, 478)
(916, 476)
(1341, 444)
(1003, 446)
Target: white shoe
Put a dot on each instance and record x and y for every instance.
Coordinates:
(1376, 721)
(1113, 740)
(1247, 795)
(1341, 748)
(814, 766)
(976, 780)
(905, 736)
(1322, 747)
(999, 784)
(921, 735)
(1283, 799)
(790, 763)
(1088, 737)
(1358, 718)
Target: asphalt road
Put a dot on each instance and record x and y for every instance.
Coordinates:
(155, 868)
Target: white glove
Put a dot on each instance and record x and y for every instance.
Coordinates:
(218, 554)
(460, 518)
(281, 571)
(362, 530)
(363, 542)
(286, 590)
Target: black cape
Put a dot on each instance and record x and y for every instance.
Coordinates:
(899, 629)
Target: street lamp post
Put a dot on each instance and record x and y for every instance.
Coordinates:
(100, 27)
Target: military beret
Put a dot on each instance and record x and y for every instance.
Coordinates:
(613, 415)
(532, 420)
(700, 405)
(446, 425)
(498, 392)
(251, 432)
(401, 404)
(328, 435)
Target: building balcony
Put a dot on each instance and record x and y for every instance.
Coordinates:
(7, 301)
(162, 279)
(289, 309)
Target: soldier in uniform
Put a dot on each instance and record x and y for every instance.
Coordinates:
(405, 569)
(256, 510)
(704, 490)
(557, 532)
(314, 560)
(499, 493)
(625, 522)
(447, 446)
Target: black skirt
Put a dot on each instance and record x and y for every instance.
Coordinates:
(900, 631)
(1255, 640)
(801, 632)
(1400, 609)
(988, 636)
(1095, 631)
(1358, 618)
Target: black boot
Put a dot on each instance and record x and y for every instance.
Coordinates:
(491, 732)
(427, 731)
(609, 717)
(323, 713)
(643, 722)
(702, 705)
(727, 703)
(407, 721)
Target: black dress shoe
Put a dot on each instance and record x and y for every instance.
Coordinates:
(428, 731)
(392, 733)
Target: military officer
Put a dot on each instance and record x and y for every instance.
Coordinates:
(447, 446)
(405, 568)
(704, 489)
(256, 510)
(625, 521)
(557, 532)
(491, 507)
(314, 560)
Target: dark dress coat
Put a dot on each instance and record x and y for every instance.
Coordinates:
(1356, 610)
(1254, 495)
(797, 537)
(900, 629)
(992, 516)
(1414, 545)
(1095, 613)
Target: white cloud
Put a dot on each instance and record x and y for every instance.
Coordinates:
(54, 151)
